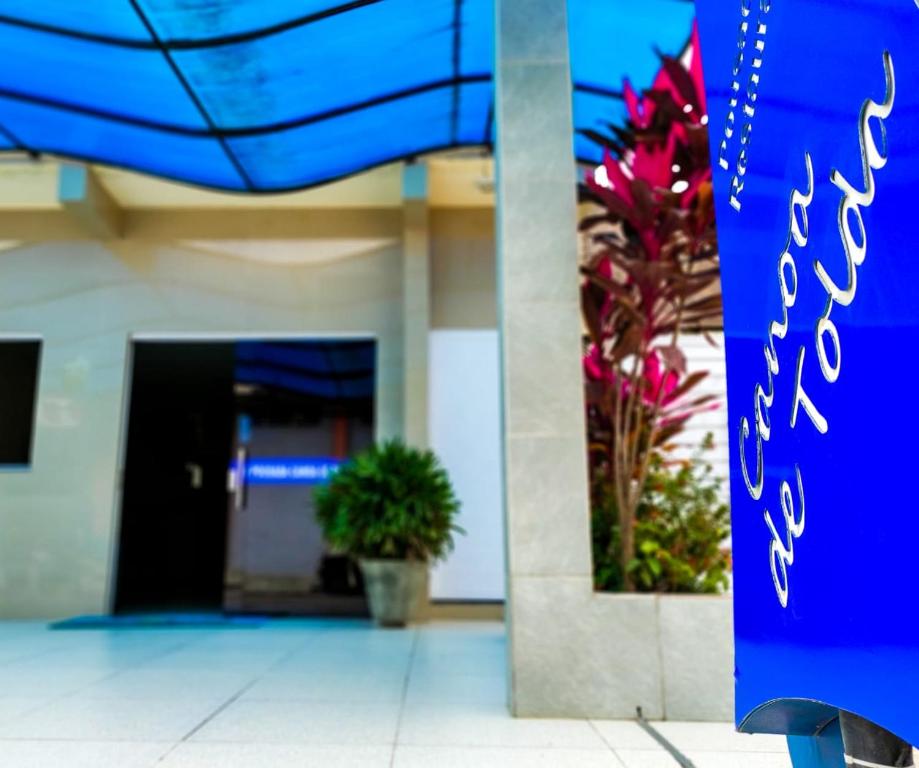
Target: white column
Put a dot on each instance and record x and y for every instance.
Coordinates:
(573, 653)
(416, 303)
(545, 469)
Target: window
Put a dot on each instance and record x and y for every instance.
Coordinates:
(19, 361)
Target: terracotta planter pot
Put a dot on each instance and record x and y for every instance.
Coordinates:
(396, 590)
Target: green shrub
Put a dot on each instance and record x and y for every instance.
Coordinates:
(390, 501)
(680, 533)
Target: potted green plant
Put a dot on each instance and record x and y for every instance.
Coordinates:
(393, 508)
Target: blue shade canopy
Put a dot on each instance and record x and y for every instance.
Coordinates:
(266, 96)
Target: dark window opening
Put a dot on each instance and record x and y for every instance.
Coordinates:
(19, 361)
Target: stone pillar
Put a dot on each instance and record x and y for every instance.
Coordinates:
(416, 303)
(545, 464)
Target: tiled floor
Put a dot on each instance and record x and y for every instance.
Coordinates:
(305, 694)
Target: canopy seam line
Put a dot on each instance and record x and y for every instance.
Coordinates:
(243, 174)
(19, 144)
(457, 53)
(270, 190)
(597, 90)
(185, 44)
(217, 133)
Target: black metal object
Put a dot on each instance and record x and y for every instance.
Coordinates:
(869, 746)
(681, 759)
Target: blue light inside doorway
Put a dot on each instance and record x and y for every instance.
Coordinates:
(297, 470)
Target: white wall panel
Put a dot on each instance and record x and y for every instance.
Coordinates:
(464, 425)
(703, 356)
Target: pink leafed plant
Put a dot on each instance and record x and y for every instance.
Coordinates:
(651, 273)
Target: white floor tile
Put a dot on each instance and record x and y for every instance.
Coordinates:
(273, 638)
(472, 757)
(146, 683)
(79, 754)
(11, 707)
(364, 640)
(489, 725)
(323, 693)
(467, 662)
(735, 760)
(437, 689)
(13, 653)
(625, 734)
(109, 720)
(275, 756)
(329, 663)
(245, 662)
(640, 758)
(303, 722)
(111, 653)
(350, 687)
(40, 682)
(718, 737)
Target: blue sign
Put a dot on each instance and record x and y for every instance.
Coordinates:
(244, 428)
(814, 127)
(290, 470)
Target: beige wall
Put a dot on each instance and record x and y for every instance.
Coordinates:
(463, 268)
(187, 273)
(85, 299)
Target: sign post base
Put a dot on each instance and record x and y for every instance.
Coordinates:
(824, 750)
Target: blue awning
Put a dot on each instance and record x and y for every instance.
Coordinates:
(263, 96)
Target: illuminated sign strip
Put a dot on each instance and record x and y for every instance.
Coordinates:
(289, 470)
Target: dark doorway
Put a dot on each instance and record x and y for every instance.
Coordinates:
(226, 442)
(173, 520)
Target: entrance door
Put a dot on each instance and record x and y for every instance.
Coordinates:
(173, 523)
(302, 409)
(226, 443)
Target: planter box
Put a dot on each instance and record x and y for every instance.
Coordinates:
(696, 641)
(607, 654)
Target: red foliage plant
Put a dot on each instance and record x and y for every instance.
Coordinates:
(651, 273)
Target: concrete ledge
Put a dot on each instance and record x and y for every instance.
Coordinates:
(604, 655)
(696, 635)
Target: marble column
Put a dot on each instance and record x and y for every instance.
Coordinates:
(416, 303)
(545, 466)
